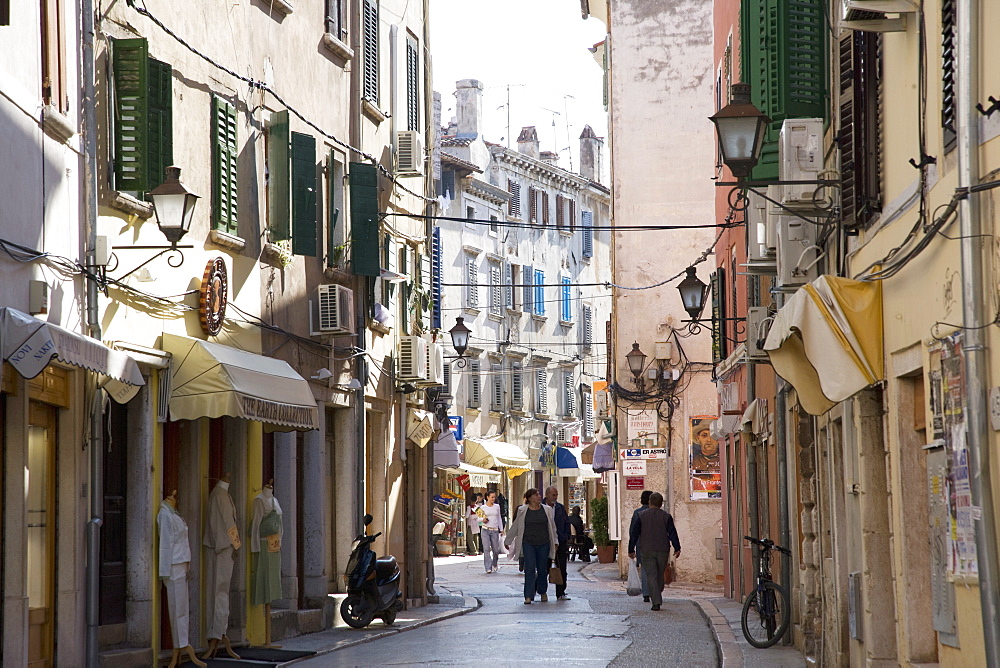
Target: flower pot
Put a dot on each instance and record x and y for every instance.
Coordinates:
(605, 554)
(444, 548)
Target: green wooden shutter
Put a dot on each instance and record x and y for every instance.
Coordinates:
(426, 287)
(412, 85)
(224, 153)
(130, 62)
(365, 255)
(303, 194)
(161, 143)
(784, 61)
(278, 177)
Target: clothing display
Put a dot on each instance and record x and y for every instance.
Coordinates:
(265, 546)
(221, 539)
(175, 555)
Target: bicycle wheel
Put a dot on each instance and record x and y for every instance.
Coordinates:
(765, 616)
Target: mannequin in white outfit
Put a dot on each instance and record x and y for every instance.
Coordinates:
(175, 557)
(222, 539)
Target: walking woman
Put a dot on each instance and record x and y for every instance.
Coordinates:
(533, 535)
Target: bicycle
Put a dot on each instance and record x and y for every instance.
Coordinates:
(765, 612)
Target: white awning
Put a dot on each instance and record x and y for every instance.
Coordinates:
(29, 344)
(827, 341)
(487, 453)
(446, 449)
(478, 477)
(212, 380)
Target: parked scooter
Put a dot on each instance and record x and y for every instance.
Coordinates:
(372, 584)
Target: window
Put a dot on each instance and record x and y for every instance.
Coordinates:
(494, 224)
(542, 389)
(496, 387)
(565, 300)
(516, 386)
(948, 111)
(539, 292)
(224, 153)
(529, 289)
(472, 283)
(336, 19)
(336, 236)
(54, 40)
(569, 393)
(588, 327)
(470, 215)
(390, 262)
(436, 267)
(475, 385)
(142, 117)
(292, 182)
(369, 23)
(514, 203)
(861, 199)
(587, 222)
(412, 84)
(560, 217)
(4, 12)
(496, 288)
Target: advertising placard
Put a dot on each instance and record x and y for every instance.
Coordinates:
(634, 467)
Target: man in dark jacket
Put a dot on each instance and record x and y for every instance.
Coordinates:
(654, 533)
(562, 532)
(644, 500)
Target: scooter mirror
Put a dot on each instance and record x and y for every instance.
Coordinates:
(368, 519)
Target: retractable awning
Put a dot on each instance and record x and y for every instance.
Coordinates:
(212, 380)
(497, 454)
(827, 341)
(29, 344)
(478, 477)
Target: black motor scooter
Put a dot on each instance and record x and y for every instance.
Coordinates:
(372, 584)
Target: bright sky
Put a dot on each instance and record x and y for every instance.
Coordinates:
(537, 47)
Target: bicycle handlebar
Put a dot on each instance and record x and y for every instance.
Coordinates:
(768, 544)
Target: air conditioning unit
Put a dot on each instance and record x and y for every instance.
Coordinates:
(435, 366)
(757, 328)
(870, 15)
(798, 254)
(760, 239)
(409, 152)
(332, 311)
(412, 359)
(800, 158)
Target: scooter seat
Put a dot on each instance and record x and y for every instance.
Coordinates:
(385, 567)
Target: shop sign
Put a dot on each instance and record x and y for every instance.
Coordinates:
(642, 424)
(628, 453)
(729, 399)
(636, 482)
(642, 453)
(457, 426)
(633, 467)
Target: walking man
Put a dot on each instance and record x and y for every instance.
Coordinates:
(562, 532)
(492, 527)
(644, 500)
(654, 533)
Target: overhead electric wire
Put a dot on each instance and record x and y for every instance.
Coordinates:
(565, 228)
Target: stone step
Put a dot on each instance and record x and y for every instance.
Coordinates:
(126, 658)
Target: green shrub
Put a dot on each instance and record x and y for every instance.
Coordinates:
(599, 521)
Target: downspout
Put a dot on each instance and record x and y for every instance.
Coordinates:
(96, 484)
(430, 209)
(781, 443)
(977, 426)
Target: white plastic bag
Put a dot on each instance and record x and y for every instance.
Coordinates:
(634, 583)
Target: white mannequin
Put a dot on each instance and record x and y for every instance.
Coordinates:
(221, 541)
(175, 557)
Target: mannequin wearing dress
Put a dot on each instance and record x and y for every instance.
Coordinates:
(221, 540)
(175, 557)
(265, 546)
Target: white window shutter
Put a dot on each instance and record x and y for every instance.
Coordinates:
(475, 385)
(472, 278)
(587, 222)
(516, 387)
(496, 384)
(529, 289)
(541, 391)
(588, 326)
(496, 288)
(447, 378)
(570, 393)
(508, 280)
(588, 416)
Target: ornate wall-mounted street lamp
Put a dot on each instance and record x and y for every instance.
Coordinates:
(740, 127)
(460, 336)
(636, 360)
(693, 293)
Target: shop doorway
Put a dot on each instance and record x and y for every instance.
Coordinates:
(113, 539)
(41, 532)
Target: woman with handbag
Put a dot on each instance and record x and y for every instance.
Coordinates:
(533, 535)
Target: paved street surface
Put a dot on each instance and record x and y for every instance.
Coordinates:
(600, 626)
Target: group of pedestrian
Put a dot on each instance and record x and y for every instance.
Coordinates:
(652, 532)
(539, 534)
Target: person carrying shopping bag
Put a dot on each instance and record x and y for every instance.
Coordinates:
(533, 535)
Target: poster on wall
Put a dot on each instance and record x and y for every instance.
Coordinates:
(706, 476)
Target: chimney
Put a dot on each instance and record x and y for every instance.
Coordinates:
(469, 94)
(527, 142)
(549, 157)
(591, 149)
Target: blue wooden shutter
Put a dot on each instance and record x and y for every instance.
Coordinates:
(436, 267)
(566, 314)
(539, 292)
(304, 194)
(365, 249)
(130, 62)
(224, 173)
(279, 175)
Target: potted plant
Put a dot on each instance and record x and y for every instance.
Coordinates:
(599, 525)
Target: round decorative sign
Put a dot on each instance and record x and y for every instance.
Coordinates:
(213, 296)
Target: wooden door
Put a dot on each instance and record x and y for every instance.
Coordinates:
(40, 549)
(113, 538)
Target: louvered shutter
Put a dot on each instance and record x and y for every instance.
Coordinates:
(426, 304)
(588, 327)
(587, 221)
(475, 386)
(541, 391)
(130, 60)
(514, 204)
(539, 292)
(365, 247)
(508, 281)
(496, 385)
(279, 177)
(496, 289)
(572, 215)
(532, 205)
(369, 21)
(447, 378)
(784, 61)
(412, 85)
(560, 217)
(529, 289)
(304, 194)
(566, 314)
(472, 279)
(436, 268)
(516, 387)
(588, 416)
(569, 388)
(332, 210)
(545, 208)
(859, 128)
(224, 152)
(161, 135)
(948, 41)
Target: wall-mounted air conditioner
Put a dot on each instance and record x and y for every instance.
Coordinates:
(409, 152)
(800, 158)
(760, 239)
(757, 328)
(435, 366)
(331, 311)
(412, 359)
(870, 15)
(798, 254)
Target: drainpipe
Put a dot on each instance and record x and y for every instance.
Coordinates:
(977, 428)
(781, 442)
(96, 484)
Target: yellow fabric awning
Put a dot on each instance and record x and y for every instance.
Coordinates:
(488, 454)
(212, 380)
(478, 477)
(827, 341)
